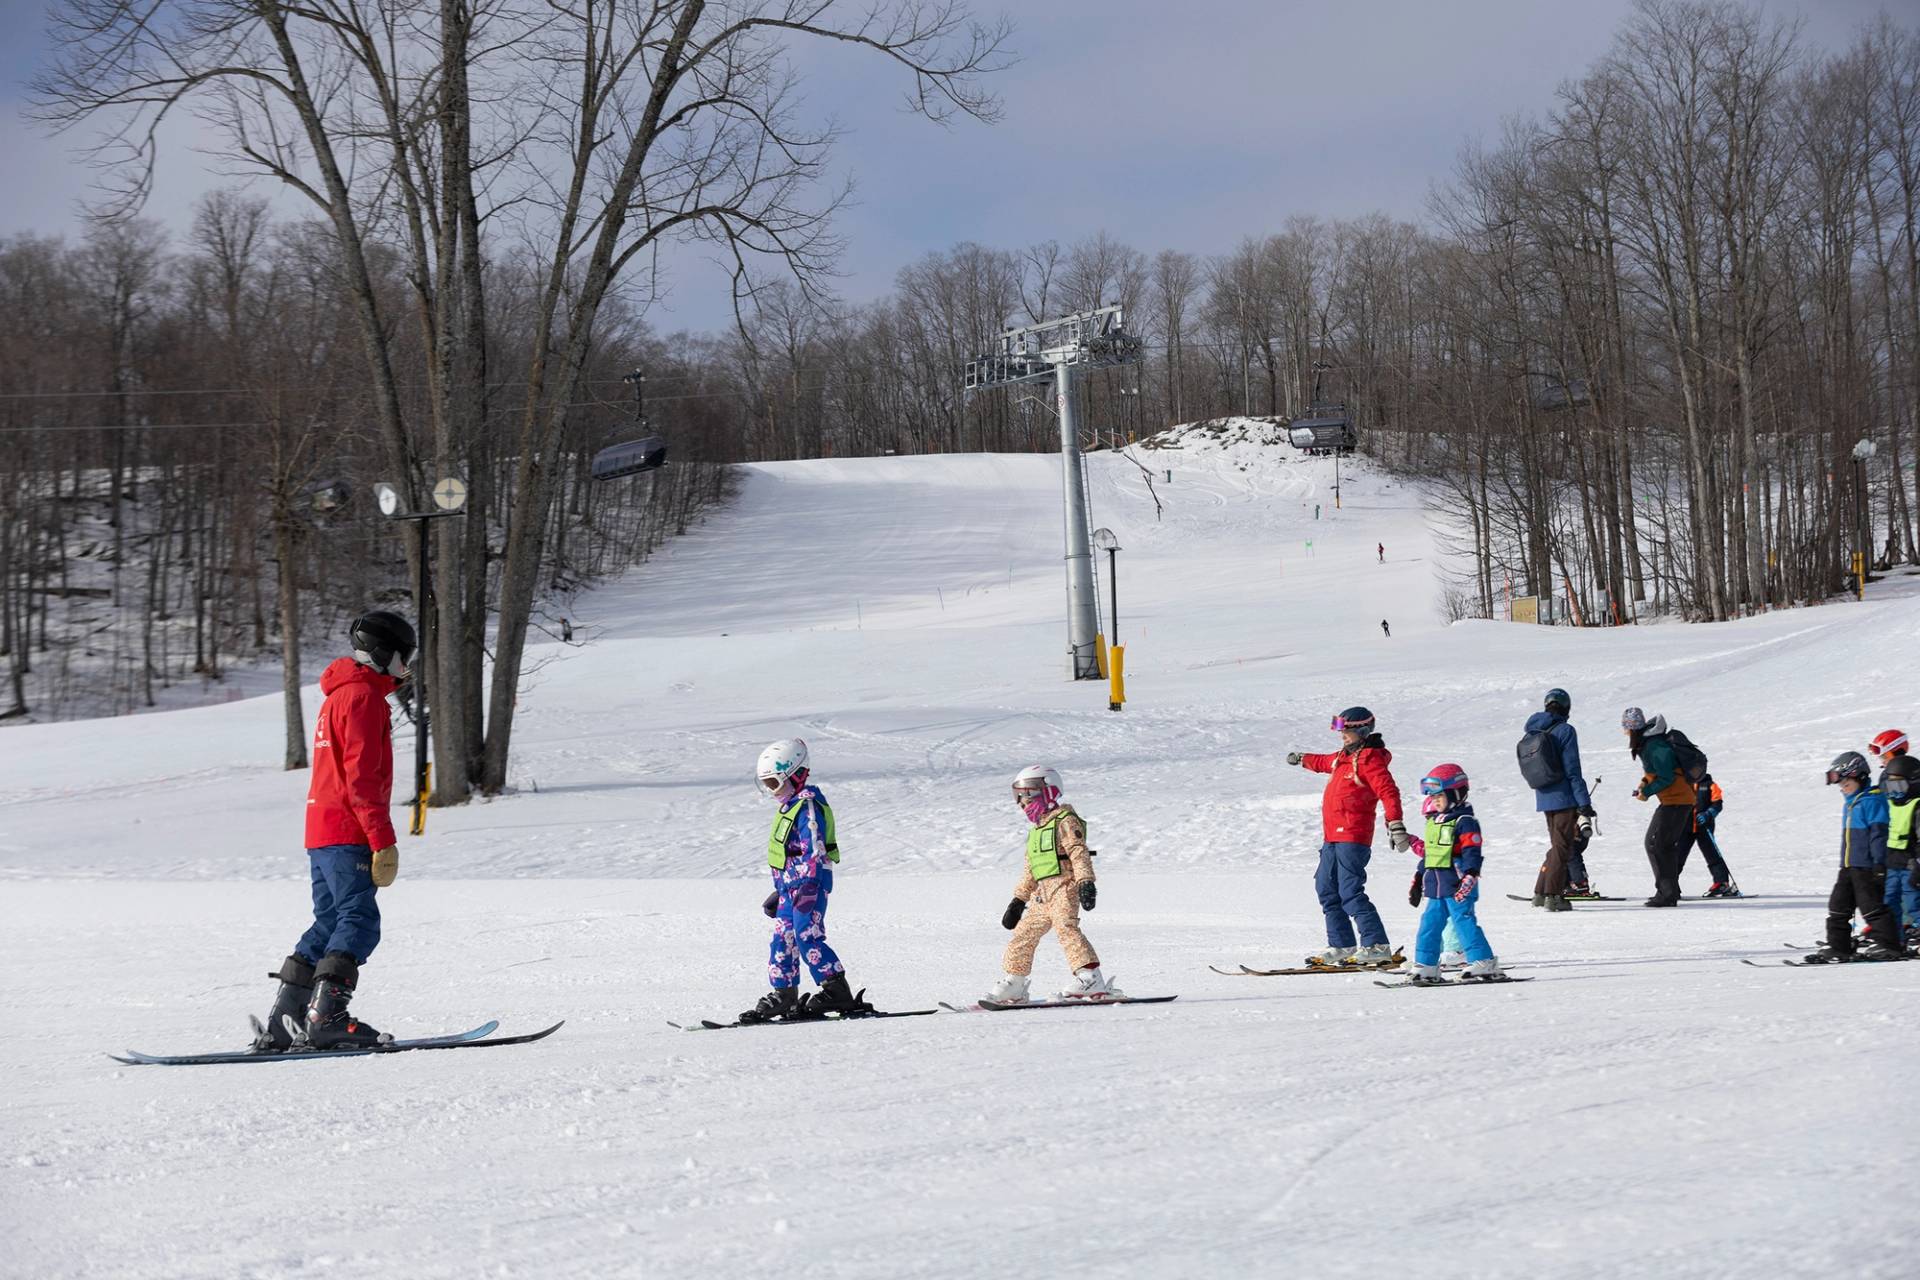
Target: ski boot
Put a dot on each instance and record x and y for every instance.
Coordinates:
(1377, 956)
(1724, 889)
(778, 1004)
(1089, 984)
(836, 998)
(1425, 975)
(1539, 899)
(289, 1007)
(1581, 889)
(1452, 960)
(1557, 903)
(1487, 970)
(329, 1024)
(1878, 950)
(1011, 989)
(1331, 958)
(1827, 955)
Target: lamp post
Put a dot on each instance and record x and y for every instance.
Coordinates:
(450, 495)
(1103, 540)
(1862, 454)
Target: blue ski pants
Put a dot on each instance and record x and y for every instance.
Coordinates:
(1903, 895)
(1341, 882)
(1434, 918)
(346, 916)
(800, 932)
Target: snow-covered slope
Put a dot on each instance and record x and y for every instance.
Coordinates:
(1648, 1106)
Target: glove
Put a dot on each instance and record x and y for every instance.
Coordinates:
(1086, 895)
(386, 866)
(1468, 883)
(1413, 891)
(1010, 919)
(1294, 757)
(1397, 831)
(1587, 813)
(772, 905)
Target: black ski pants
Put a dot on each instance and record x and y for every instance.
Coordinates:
(1862, 889)
(1668, 835)
(1710, 848)
(1563, 834)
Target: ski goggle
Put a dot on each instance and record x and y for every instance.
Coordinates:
(1896, 787)
(1439, 786)
(772, 783)
(1024, 796)
(1835, 776)
(1343, 725)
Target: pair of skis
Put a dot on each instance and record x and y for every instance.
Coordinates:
(480, 1037)
(984, 1006)
(1804, 950)
(1378, 966)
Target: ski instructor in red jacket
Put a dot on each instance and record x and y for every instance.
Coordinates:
(1360, 780)
(350, 842)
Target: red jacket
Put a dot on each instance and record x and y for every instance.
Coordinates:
(1360, 778)
(352, 785)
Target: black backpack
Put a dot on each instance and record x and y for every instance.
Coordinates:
(1690, 760)
(1540, 762)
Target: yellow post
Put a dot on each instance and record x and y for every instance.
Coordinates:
(1117, 664)
(1860, 572)
(419, 826)
(1100, 654)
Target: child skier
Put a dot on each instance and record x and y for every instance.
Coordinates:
(1451, 881)
(1708, 801)
(1862, 883)
(801, 852)
(1903, 875)
(1359, 780)
(1453, 953)
(1058, 883)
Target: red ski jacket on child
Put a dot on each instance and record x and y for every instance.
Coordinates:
(352, 786)
(1360, 779)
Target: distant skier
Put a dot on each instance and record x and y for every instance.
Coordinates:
(1901, 784)
(801, 852)
(1385, 630)
(1862, 883)
(1887, 746)
(351, 850)
(1549, 756)
(1708, 801)
(1450, 880)
(1671, 827)
(1381, 549)
(1058, 884)
(1360, 779)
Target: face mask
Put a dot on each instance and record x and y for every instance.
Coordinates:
(1036, 809)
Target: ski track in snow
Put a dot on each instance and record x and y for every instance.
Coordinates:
(1648, 1106)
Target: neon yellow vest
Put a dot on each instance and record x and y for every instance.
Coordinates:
(783, 823)
(1900, 824)
(1043, 846)
(1440, 842)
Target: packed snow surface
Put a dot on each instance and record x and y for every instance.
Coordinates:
(1646, 1106)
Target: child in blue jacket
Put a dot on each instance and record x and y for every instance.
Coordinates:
(1450, 880)
(1862, 883)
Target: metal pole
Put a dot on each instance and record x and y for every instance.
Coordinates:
(1082, 626)
(420, 690)
(1113, 594)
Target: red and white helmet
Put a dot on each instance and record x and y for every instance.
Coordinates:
(1888, 743)
(1036, 781)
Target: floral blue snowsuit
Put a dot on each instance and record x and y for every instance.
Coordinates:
(800, 925)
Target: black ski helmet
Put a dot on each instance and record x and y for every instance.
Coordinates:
(1903, 767)
(1848, 764)
(1355, 719)
(1559, 702)
(380, 637)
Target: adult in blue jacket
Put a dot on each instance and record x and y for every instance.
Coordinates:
(1568, 807)
(1862, 883)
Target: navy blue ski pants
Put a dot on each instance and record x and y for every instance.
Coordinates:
(1341, 882)
(346, 916)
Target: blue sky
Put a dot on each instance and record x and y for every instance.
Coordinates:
(1183, 124)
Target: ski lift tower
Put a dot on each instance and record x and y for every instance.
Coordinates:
(1056, 349)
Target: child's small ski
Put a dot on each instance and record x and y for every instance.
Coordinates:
(1378, 966)
(1003, 1006)
(1500, 981)
(1824, 964)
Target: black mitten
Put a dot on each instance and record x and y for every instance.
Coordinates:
(1413, 892)
(1086, 895)
(1010, 919)
(772, 905)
